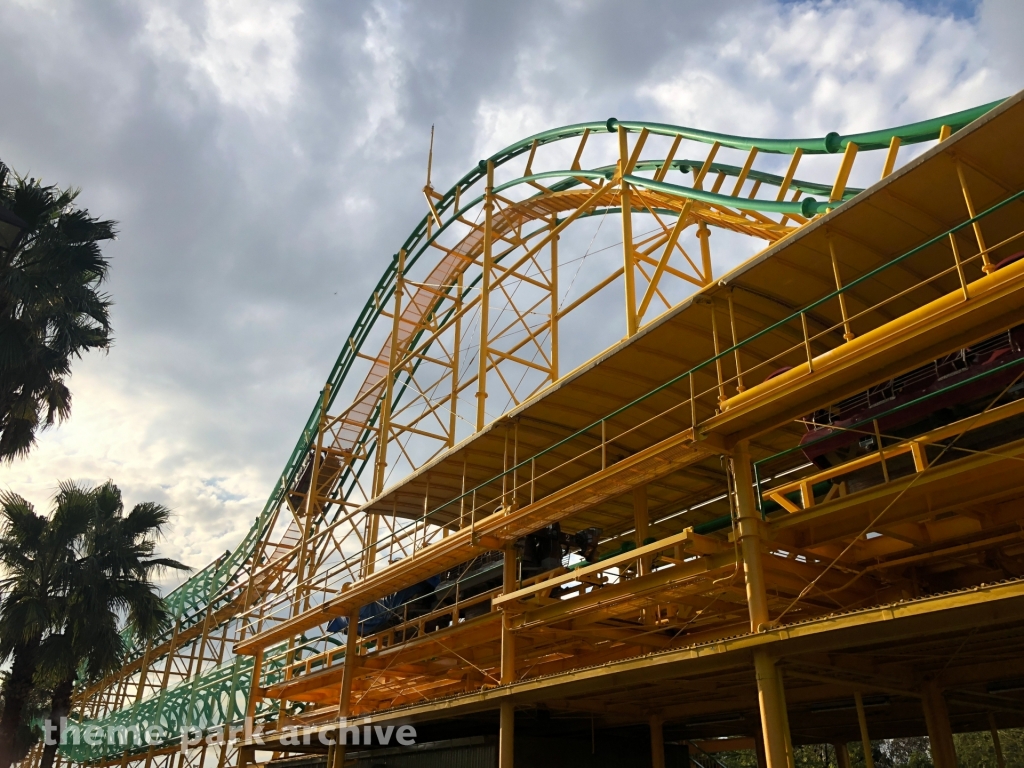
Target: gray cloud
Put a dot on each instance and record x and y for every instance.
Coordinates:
(265, 161)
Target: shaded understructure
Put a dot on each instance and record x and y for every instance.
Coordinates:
(785, 508)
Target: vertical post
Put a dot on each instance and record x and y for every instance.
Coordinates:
(717, 347)
(693, 405)
(865, 737)
(770, 702)
(506, 734)
(351, 660)
(784, 711)
(515, 465)
(842, 755)
(657, 742)
(389, 385)
(454, 408)
(940, 734)
(462, 492)
(485, 298)
(704, 236)
(641, 520)
(628, 257)
(553, 285)
(604, 444)
(748, 524)
(142, 673)
(994, 730)
(508, 640)
(736, 352)
(255, 694)
(372, 534)
(881, 451)
(504, 474)
(337, 755)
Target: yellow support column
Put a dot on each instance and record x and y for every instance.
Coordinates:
(704, 236)
(372, 534)
(784, 711)
(749, 533)
(255, 692)
(628, 257)
(771, 699)
(842, 755)
(485, 298)
(453, 409)
(773, 720)
(508, 640)
(394, 358)
(553, 285)
(641, 521)
(940, 734)
(506, 735)
(345, 697)
(657, 742)
(865, 737)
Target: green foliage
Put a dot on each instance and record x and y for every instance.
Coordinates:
(50, 308)
(974, 750)
(73, 581)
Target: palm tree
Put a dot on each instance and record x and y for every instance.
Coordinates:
(113, 596)
(50, 307)
(104, 594)
(36, 555)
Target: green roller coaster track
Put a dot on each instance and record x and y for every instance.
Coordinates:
(217, 697)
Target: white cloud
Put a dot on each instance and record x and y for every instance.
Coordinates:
(139, 438)
(246, 50)
(227, 325)
(816, 67)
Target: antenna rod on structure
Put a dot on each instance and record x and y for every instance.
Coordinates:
(430, 155)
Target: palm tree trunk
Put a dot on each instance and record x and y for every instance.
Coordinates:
(60, 708)
(16, 691)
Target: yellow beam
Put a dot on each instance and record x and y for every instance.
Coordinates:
(865, 738)
(485, 299)
(628, 257)
(843, 176)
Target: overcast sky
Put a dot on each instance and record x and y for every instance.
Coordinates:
(266, 159)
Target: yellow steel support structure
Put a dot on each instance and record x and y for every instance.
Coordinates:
(705, 530)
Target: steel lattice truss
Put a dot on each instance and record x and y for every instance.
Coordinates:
(463, 326)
